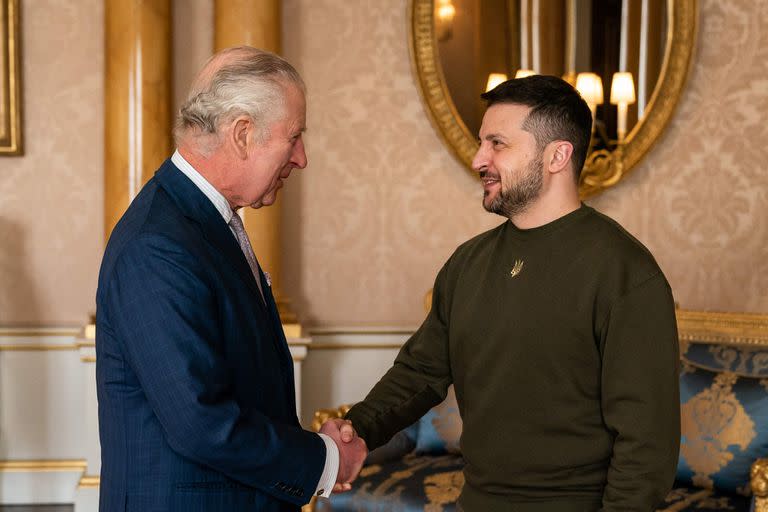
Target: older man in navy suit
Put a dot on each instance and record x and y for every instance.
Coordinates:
(195, 380)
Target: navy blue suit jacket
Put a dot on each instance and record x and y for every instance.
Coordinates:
(194, 376)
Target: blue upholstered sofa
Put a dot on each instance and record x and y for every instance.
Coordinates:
(724, 412)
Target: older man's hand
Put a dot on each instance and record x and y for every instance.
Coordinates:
(352, 451)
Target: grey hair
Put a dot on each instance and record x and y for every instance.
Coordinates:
(250, 82)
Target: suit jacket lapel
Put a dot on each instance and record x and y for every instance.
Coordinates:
(196, 206)
(199, 208)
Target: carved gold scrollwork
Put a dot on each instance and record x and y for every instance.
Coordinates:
(323, 415)
(603, 168)
(759, 482)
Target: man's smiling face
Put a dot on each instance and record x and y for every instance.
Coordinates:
(508, 160)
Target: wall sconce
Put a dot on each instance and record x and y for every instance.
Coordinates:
(622, 95)
(445, 13)
(590, 86)
(608, 166)
(495, 79)
(522, 73)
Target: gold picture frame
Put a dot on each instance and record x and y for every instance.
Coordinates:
(10, 79)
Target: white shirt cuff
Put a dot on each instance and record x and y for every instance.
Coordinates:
(331, 468)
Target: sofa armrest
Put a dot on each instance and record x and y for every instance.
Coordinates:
(759, 482)
(323, 415)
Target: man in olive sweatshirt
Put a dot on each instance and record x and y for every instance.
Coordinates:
(557, 329)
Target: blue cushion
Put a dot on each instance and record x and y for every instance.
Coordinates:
(400, 445)
(440, 429)
(724, 422)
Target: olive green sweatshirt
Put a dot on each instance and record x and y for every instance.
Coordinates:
(562, 344)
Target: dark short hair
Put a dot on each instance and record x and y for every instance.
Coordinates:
(558, 112)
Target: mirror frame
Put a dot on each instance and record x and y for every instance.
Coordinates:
(603, 169)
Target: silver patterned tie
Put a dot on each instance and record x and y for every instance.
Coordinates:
(245, 246)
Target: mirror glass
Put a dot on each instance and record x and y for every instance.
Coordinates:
(628, 58)
(496, 39)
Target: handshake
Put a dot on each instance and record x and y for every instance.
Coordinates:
(352, 451)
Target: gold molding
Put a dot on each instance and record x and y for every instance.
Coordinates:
(292, 330)
(37, 347)
(23, 332)
(721, 327)
(367, 331)
(88, 359)
(342, 346)
(10, 76)
(11, 333)
(41, 466)
(758, 481)
(89, 482)
(323, 415)
(683, 16)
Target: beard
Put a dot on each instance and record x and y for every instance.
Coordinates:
(519, 196)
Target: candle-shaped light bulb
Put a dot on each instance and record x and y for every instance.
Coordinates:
(590, 86)
(495, 79)
(522, 73)
(622, 95)
(446, 11)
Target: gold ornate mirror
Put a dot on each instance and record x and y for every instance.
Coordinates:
(628, 58)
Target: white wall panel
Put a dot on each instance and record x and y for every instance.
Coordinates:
(344, 363)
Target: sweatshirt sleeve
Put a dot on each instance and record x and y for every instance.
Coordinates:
(640, 397)
(417, 381)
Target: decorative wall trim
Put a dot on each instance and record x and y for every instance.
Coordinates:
(367, 330)
(719, 327)
(366, 337)
(349, 346)
(89, 482)
(42, 466)
(35, 339)
(33, 332)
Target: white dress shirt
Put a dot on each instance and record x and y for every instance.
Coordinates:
(331, 468)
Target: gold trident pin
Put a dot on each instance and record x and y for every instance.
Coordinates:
(517, 268)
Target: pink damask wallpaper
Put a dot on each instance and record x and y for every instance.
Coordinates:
(382, 203)
(51, 198)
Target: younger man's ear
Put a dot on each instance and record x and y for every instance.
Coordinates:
(561, 156)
